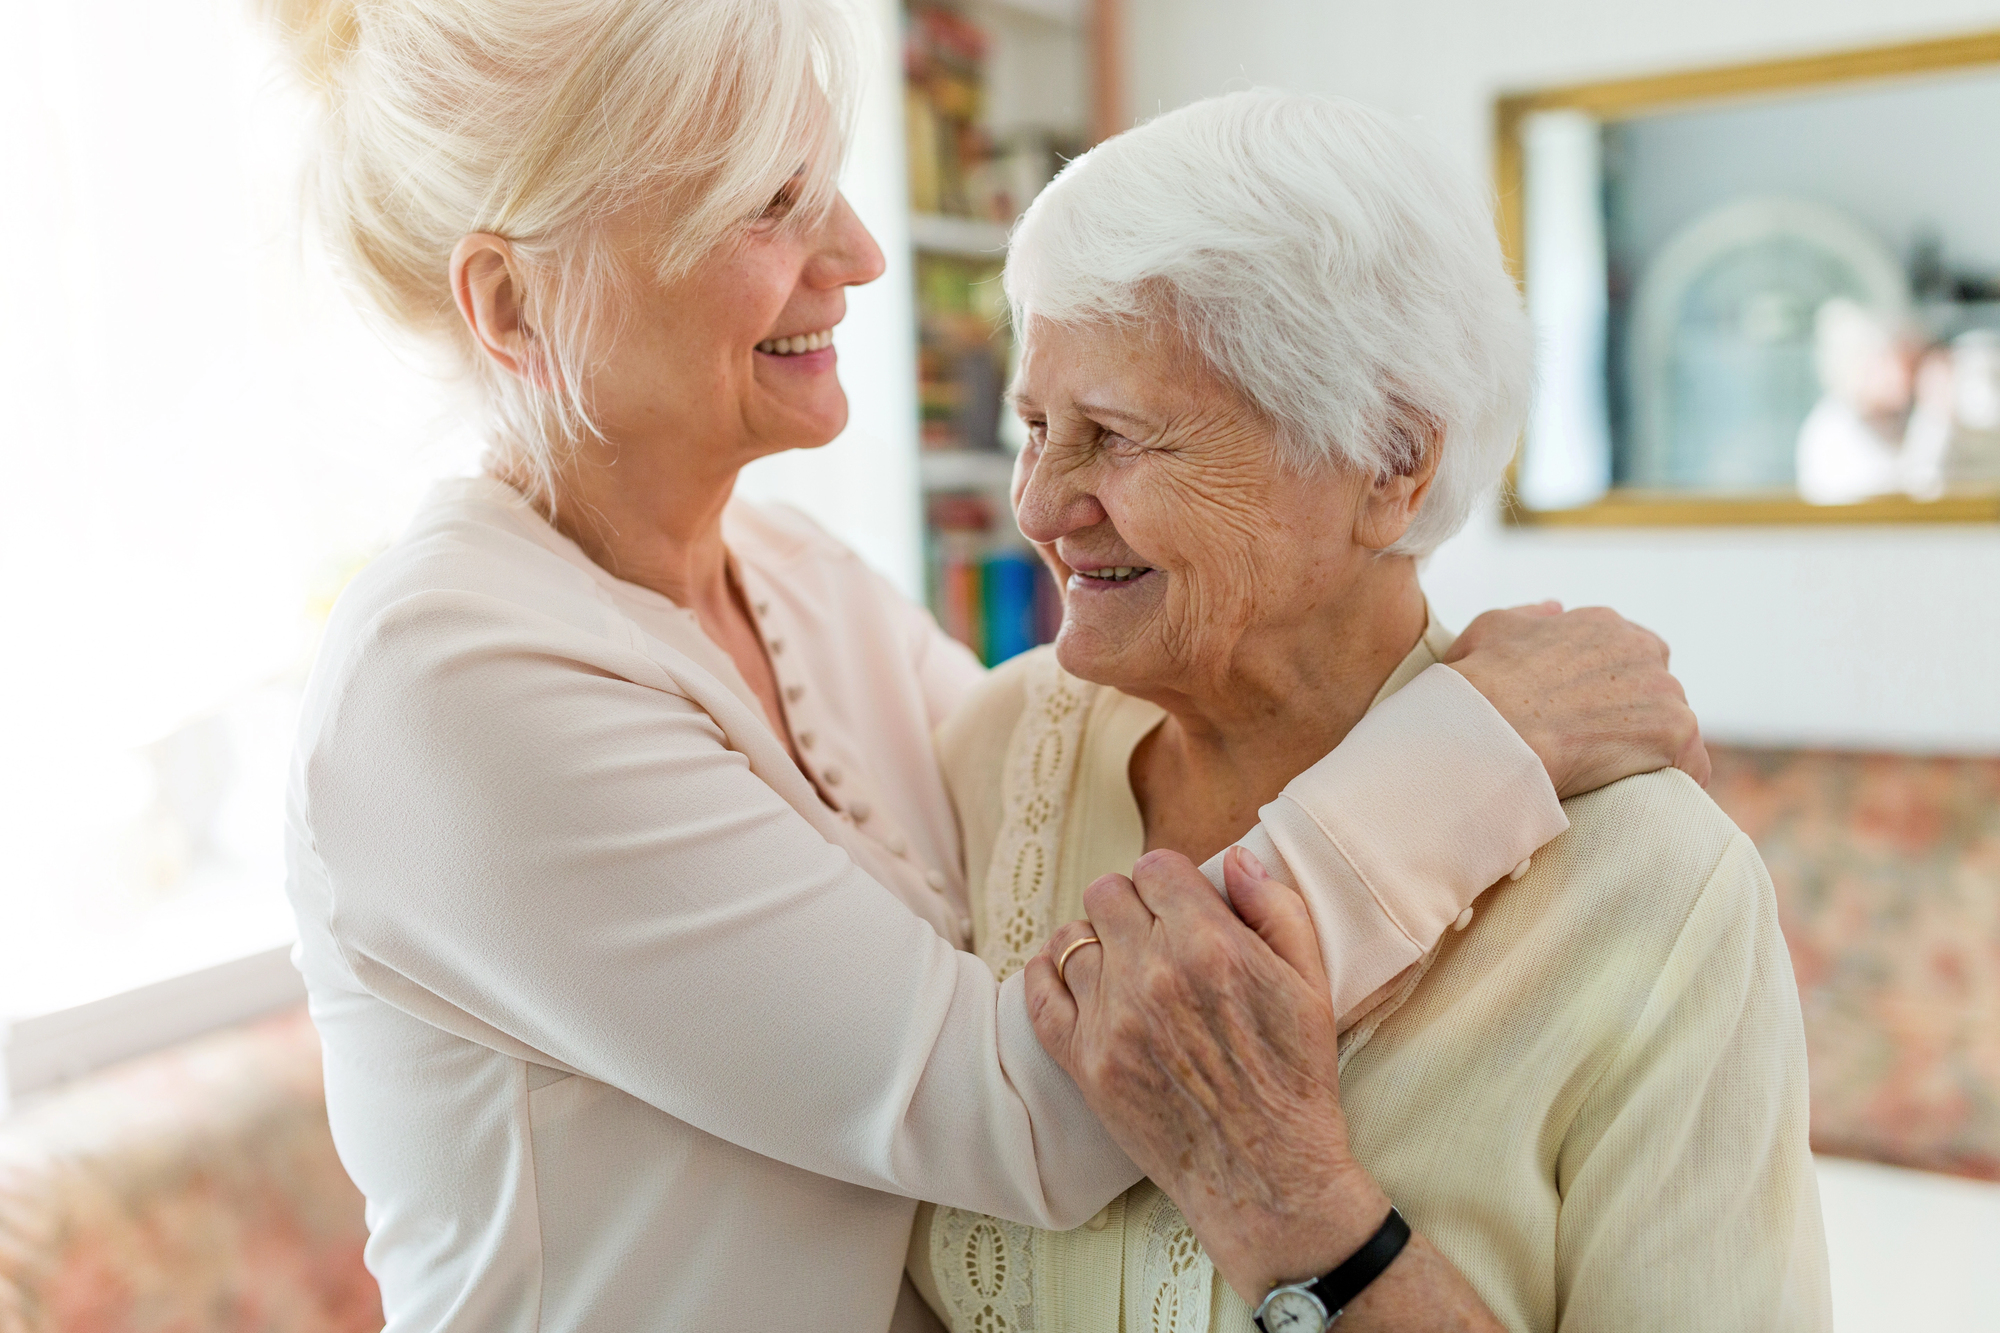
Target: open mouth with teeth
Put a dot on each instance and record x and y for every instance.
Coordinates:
(798, 344)
(1114, 573)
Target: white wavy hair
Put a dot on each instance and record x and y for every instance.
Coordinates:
(537, 120)
(1325, 259)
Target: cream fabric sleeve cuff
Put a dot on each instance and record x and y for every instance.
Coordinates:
(1430, 800)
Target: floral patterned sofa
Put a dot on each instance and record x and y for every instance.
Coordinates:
(1888, 876)
(197, 1191)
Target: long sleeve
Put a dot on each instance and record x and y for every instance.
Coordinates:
(1422, 807)
(530, 848)
(1687, 1191)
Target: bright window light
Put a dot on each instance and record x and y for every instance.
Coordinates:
(201, 442)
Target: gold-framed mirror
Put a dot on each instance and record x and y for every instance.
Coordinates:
(1764, 293)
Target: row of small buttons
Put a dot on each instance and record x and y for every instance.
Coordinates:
(858, 810)
(793, 693)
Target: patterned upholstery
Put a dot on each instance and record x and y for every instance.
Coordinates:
(1888, 876)
(195, 1191)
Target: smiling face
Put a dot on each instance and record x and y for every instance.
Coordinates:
(734, 360)
(1190, 554)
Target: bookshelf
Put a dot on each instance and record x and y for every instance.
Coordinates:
(997, 94)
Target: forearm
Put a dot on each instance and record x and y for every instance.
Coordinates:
(1420, 1292)
(603, 886)
(1426, 803)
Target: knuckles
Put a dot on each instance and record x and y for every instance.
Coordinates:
(1104, 891)
(1066, 934)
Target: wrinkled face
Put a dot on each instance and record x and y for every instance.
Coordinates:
(1158, 496)
(736, 358)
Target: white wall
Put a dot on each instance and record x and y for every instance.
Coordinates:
(1899, 158)
(1831, 636)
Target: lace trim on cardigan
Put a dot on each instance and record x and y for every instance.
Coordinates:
(1175, 1275)
(984, 1265)
(1034, 786)
(984, 1268)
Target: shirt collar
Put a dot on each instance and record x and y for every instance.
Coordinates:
(1431, 648)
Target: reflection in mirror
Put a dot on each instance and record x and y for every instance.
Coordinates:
(1776, 295)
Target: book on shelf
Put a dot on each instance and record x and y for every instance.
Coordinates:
(991, 595)
(967, 184)
(957, 166)
(962, 351)
(944, 57)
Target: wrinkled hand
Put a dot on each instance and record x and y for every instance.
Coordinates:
(1588, 690)
(1206, 1045)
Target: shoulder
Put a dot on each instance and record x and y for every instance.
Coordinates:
(1638, 921)
(440, 598)
(1644, 850)
(1590, 931)
(776, 534)
(467, 547)
(1662, 819)
(1650, 869)
(464, 614)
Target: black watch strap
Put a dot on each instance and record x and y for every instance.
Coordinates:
(1338, 1289)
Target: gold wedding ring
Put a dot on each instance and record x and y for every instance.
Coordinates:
(1062, 961)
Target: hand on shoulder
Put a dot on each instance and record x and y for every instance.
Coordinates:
(1588, 690)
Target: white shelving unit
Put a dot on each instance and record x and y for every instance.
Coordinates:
(975, 238)
(997, 93)
(966, 470)
(1069, 13)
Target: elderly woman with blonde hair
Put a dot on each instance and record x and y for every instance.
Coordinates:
(631, 900)
(1270, 356)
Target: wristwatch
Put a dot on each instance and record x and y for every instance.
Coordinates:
(1311, 1306)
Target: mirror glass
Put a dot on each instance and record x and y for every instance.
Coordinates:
(1789, 295)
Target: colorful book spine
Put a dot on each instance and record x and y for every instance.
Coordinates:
(1008, 584)
(999, 603)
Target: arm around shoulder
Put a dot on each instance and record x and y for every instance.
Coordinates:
(526, 834)
(1429, 801)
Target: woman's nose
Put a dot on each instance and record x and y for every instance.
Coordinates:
(1052, 504)
(848, 255)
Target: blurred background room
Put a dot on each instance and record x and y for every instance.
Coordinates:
(1760, 243)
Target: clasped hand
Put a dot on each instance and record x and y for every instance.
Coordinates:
(1207, 1046)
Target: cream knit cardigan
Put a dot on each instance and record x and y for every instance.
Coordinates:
(1591, 1096)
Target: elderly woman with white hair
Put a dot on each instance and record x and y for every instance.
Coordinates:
(631, 900)
(1271, 356)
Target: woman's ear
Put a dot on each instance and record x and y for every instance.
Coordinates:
(489, 294)
(1396, 498)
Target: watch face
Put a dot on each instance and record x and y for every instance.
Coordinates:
(1294, 1312)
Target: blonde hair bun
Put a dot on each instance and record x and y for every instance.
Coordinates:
(319, 35)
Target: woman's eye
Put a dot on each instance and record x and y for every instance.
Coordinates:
(1120, 447)
(781, 203)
